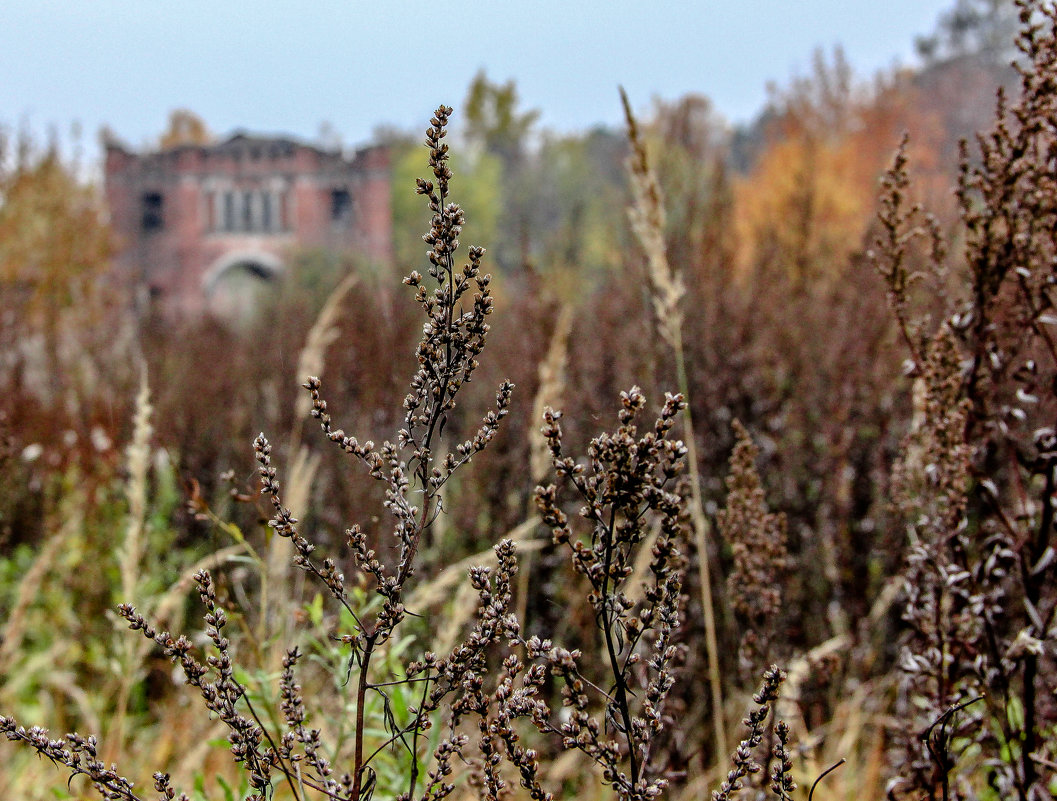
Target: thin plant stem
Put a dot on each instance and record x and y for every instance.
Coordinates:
(823, 775)
(647, 215)
(701, 537)
(619, 675)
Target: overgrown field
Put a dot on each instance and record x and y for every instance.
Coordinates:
(756, 474)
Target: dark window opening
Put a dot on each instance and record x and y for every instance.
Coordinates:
(266, 211)
(247, 211)
(152, 211)
(229, 211)
(340, 205)
(257, 270)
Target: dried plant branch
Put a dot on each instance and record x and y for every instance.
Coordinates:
(975, 485)
(623, 485)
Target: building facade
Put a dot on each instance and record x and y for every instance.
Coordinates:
(192, 219)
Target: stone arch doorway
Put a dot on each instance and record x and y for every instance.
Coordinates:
(236, 283)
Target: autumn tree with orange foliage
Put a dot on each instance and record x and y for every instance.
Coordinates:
(808, 199)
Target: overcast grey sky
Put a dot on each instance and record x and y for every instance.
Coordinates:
(286, 66)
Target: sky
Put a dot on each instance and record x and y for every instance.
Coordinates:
(286, 66)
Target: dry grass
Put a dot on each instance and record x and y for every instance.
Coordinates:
(972, 483)
(647, 222)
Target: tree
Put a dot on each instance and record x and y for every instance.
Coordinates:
(54, 247)
(980, 28)
(493, 121)
(185, 128)
(479, 186)
(494, 125)
(692, 145)
(808, 198)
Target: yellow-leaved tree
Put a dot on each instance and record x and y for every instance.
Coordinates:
(55, 246)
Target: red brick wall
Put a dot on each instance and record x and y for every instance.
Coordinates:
(175, 262)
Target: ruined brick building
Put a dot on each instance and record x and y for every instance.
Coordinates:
(194, 220)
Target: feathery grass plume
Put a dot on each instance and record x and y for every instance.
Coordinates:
(551, 386)
(323, 333)
(130, 553)
(552, 378)
(647, 222)
(138, 456)
(629, 478)
(647, 217)
(757, 540)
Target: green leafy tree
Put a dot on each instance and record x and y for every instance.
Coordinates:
(480, 179)
(575, 183)
(494, 121)
(496, 126)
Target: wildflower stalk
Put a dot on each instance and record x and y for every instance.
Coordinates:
(452, 338)
(757, 539)
(625, 482)
(647, 222)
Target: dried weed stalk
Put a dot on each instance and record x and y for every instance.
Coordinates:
(453, 336)
(629, 479)
(469, 702)
(758, 542)
(978, 482)
(744, 763)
